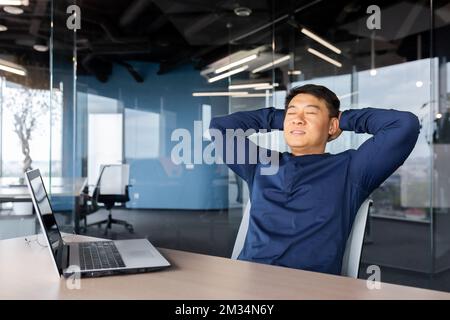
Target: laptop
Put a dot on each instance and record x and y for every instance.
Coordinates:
(90, 259)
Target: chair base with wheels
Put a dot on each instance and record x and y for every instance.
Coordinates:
(109, 201)
(109, 221)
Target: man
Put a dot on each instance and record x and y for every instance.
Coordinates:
(301, 216)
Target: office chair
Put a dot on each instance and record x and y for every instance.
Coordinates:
(242, 232)
(111, 188)
(353, 248)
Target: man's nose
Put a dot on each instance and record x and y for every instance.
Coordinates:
(299, 119)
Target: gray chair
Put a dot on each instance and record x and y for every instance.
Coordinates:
(111, 188)
(242, 232)
(353, 248)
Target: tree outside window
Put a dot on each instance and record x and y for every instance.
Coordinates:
(28, 108)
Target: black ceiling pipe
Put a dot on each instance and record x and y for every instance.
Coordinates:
(131, 70)
(102, 69)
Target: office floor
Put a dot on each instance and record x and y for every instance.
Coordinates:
(214, 233)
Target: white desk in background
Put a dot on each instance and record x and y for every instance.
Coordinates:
(12, 191)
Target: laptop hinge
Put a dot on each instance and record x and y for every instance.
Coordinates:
(65, 258)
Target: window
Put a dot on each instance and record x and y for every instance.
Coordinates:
(31, 128)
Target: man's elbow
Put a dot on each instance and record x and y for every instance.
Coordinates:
(215, 123)
(410, 127)
(216, 126)
(412, 123)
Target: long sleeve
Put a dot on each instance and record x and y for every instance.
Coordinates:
(394, 133)
(236, 150)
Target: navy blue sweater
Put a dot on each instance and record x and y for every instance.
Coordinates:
(301, 216)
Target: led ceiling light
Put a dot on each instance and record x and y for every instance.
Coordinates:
(252, 95)
(13, 10)
(14, 3)
(324, 57)
(419, 83)
(268, 87)
(3, 28)
(12, 67)
(347, 95)
(294, 72)
(248, 85)
(271, 64)
(236, 63)
(218, 94)
(227, 74)
(373, 71)
(40, 47)
(320, 40)
(242, 11)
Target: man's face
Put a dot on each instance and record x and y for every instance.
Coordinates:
(307, 124)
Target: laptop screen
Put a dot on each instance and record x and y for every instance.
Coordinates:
(43, 208)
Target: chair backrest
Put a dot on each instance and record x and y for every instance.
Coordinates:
(353, 248)
(113, 179)
(242, 232)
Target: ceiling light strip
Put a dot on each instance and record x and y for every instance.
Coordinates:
(320, 40)
(268, 87)
(236, 63)
(12, 67)
(271, 64)
(248, 85)
(324, 57)
(13, 2)
(227, 74)
(218, 94)
(252, 95)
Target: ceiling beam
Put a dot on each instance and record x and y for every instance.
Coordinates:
(136, 8)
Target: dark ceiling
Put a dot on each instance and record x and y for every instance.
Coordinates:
(177, 32)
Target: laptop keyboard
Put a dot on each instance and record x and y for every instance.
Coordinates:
(99, 255)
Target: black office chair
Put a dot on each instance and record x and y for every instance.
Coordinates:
(111, 188)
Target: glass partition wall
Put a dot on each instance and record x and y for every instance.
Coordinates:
(372, 55)
(141, 86)
(28, 103)
(65, 179)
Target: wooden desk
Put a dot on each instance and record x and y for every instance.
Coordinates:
(26, 272)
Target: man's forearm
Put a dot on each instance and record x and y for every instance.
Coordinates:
(267, 118)
(395, 135)
(372, 121)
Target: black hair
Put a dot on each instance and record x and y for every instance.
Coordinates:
(320, 92)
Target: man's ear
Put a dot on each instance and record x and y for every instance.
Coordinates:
(334, 126)
(333, 130)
